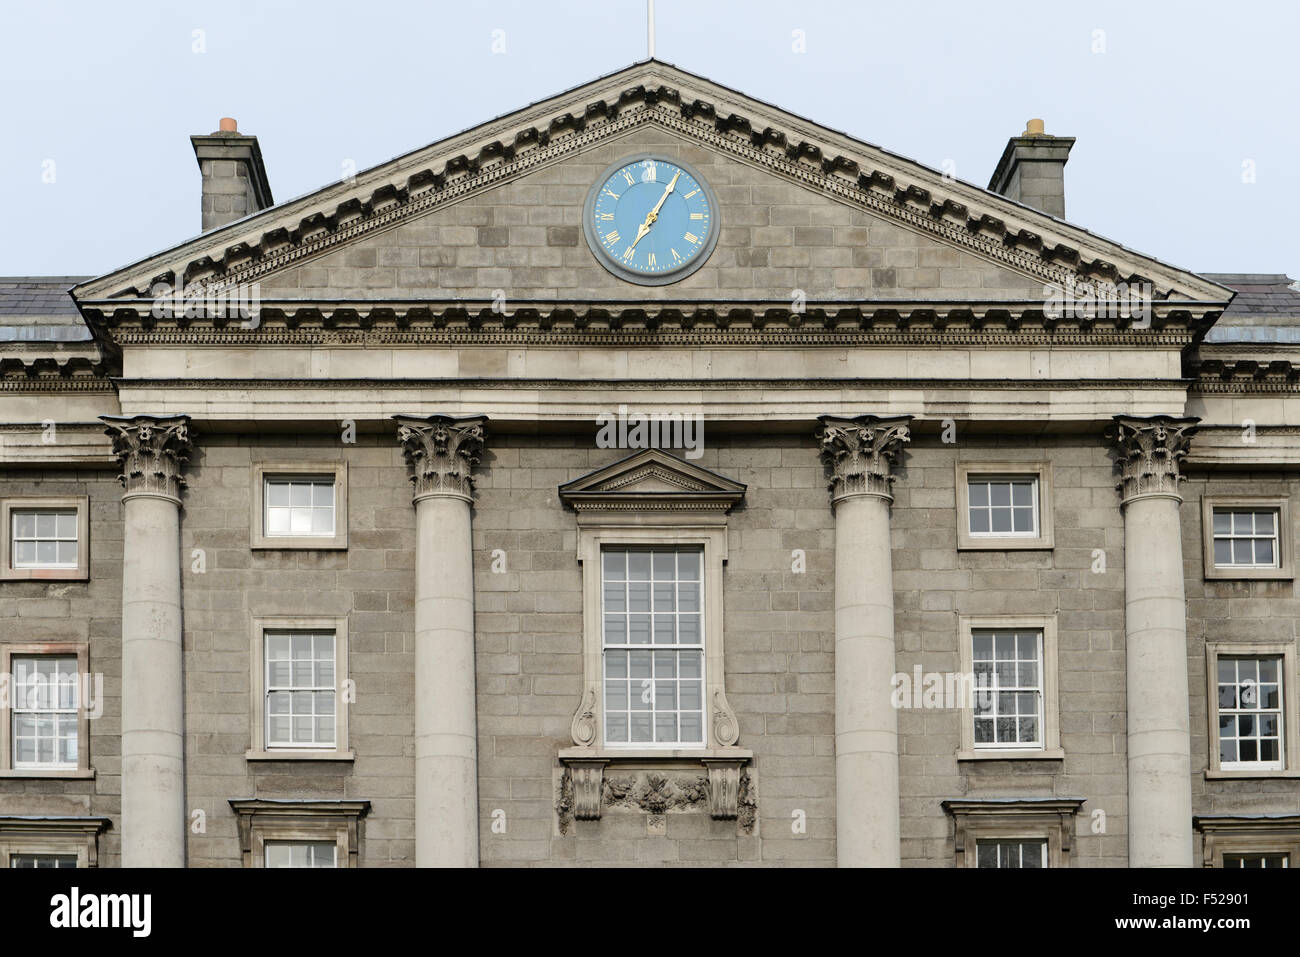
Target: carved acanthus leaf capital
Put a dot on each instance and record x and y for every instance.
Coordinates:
(1150, 450)
(442, 451)
(861, 452)
(152, 451)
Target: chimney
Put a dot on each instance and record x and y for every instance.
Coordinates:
(1032, 169)
(234, 179)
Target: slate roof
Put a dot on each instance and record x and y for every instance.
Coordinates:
(39, 309)
(1266, 309)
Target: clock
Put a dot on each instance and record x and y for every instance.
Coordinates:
(651, 220)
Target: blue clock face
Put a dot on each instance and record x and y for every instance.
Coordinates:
(651, 220)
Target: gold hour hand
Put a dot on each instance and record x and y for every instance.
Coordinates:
(641, 232)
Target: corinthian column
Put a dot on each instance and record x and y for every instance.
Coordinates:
(860, 452)
(1155, 626)
(152, 451)
(442, 451)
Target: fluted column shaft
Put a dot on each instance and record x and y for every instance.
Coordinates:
(1155, 626)
(152, 451)
(442, 452)
(860, 452)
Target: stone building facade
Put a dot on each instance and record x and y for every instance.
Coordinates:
(966, 540)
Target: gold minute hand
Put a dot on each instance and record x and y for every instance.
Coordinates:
(653, 215)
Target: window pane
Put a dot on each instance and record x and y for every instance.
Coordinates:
(979, 494)
(638, 566)
(24, 524)
(665, 566)
(615, 566)
(688, 565)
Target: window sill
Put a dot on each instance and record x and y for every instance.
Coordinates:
(1046, 754)
(44, 575)
(1004, 544)
(1215, 774)
(642, 756)
(1249, 574)
(300, 755)
(84, 774)
(300, 543)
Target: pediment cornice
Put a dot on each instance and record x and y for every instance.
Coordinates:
(829, 163)
(652, 479)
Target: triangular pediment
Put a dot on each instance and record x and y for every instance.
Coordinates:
(652, 478)
(1024, 247)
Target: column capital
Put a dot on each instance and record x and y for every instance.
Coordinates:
(152, 451)
(442, 451)
(861, 452)
(1150, 449)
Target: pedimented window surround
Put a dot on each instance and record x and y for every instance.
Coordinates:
(1009, 819)
(268, 820)
(51, 836)
(653, 499)
(1248, 834)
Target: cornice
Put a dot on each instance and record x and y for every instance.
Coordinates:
(1255, 376)
(53, 374)
(636, 322)
(604, 385)
(959, 214)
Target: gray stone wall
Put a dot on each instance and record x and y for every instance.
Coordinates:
(1246, 611)
(372, 584)
(73, 611)
(934, 584)
(779, 627)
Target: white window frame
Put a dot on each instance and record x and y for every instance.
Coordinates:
(1020, 842)
(267, 845)
(18, 706)
(703, 647)
(259, 750)
(1043, 536)
(14, 856)
(79, 504)
(1289, 765)
(1284, 549)
(263, 472)
(1049, 746)
(78, 650)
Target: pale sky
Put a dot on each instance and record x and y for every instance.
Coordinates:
(1173, 104)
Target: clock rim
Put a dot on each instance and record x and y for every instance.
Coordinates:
(630, 275)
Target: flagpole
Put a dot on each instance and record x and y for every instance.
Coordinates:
(650, 22)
